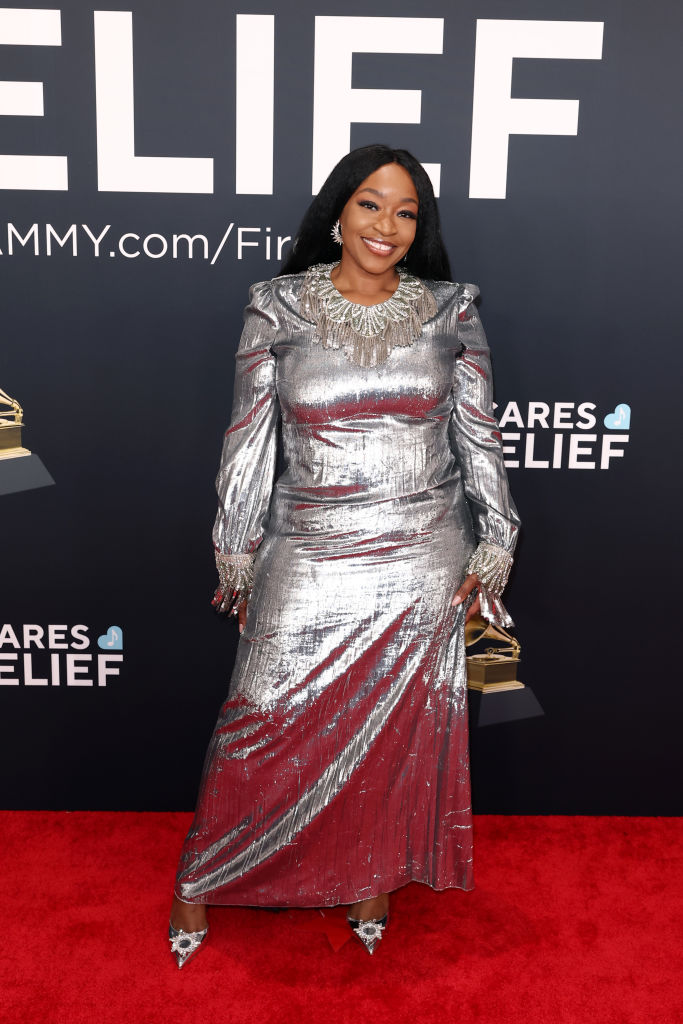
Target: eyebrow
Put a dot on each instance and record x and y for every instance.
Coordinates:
(375, 192)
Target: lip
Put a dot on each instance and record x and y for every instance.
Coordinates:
(378, 247)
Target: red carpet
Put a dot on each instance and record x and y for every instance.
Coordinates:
(573, 919)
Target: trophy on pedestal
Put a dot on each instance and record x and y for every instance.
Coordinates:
(20, 469)
(495, 693)
(10, 428)
(494, 669)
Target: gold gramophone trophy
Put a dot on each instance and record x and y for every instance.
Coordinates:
(10, 428)
(495, 669)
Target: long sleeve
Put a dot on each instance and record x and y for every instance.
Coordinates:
(247, 467)
(477, 443)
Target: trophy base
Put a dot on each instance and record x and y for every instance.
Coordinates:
(13, 453)
(10, 438)
(495, 708)
(23, 474)
(487, 687)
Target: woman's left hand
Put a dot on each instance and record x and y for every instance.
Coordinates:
(465, 590)
(234, 607)
(241, 614)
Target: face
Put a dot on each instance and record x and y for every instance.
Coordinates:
(379, 221)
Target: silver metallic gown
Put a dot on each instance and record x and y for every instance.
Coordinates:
(339, 766)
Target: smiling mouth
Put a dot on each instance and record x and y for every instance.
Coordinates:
(379, 248)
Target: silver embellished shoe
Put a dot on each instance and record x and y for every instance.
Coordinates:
(369, 932)
(184, 944)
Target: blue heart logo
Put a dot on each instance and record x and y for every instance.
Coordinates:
(112, 639)
(620, 419)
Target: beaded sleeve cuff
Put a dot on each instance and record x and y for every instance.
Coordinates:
(492, 565)
(235, 580)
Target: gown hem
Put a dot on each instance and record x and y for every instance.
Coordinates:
(336, 903)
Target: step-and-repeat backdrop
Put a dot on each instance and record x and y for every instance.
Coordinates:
(155, 159)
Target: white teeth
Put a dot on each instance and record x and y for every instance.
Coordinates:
(381, 246)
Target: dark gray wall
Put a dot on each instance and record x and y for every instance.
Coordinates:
(124, 368)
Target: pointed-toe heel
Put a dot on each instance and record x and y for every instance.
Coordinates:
(184, 944)
(369, 932)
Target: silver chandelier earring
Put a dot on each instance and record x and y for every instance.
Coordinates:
(336, 233)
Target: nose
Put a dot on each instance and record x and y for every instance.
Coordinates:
(385, 223)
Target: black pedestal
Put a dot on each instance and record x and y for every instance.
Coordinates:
(23, 474)
(505, 706)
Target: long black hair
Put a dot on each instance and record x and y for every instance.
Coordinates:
(426, 258)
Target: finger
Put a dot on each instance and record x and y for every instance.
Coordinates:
(219, 600)
(224, 602)
(474, 609)
(242, 615)
(468, 586)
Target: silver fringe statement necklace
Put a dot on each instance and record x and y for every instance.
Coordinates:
(366, 333)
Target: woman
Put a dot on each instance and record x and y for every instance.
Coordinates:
(338, 770)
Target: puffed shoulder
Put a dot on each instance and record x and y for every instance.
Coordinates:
(452, 296)
(261, 302)
(467, 292)
(261, 293)
(283, 292)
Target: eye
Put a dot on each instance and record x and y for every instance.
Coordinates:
(368, 204)
(408, 213)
